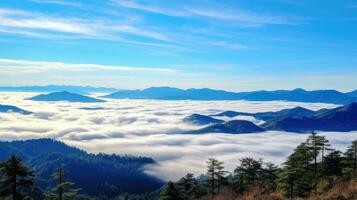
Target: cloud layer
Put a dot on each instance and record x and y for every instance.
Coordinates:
(151, 128)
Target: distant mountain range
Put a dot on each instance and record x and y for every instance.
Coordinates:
(171, 93)
(296, 112)
(56, 88)
(65, 96)
(113, 174)
(13, 109)
(298, 95)
(298, 119)
(231, 127)
(339, 119)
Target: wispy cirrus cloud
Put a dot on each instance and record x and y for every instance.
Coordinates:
(151, 8)
(28, 20)
(38, 24)
(25, 66)
(117, 29)
(58, 2)
(223, 13)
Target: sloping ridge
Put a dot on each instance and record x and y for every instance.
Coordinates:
(13, 109)
(231, 127)
(342, 118)
(297, 112)
(65, 96)
(201, 119)
(298, 95)
(113, 174)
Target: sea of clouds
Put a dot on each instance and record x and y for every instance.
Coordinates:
(152, 128)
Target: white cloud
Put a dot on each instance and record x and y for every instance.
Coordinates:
(58, 2)
(151, 127)
(29, 20)
(218, 12)
(52, 26)
(25, 66)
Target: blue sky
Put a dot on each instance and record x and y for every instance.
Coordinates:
(227, 44)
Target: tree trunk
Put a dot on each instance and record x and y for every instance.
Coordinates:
(315, 167)
(291, 191)
(355, 157)
(60, 189)
(14, 181)
(323, 153)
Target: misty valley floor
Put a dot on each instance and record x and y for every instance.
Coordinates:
(152, 127)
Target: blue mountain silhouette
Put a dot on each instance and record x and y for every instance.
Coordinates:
(65, 96)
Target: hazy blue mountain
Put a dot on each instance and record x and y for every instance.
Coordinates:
(298, 95)
(353, 93)
(65, 96)
(298, 119)
(14, 109)
(232, 114)
(201, 119)
(113, 174)
(56, 88)
(343, 118)
(231, 127)
(297, 112)
(169, 93)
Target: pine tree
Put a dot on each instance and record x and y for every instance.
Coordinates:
(317, 145)
(63, 189)
(188, 186)
(250, 169)
(295, 178)
(170, 192)
(350, 160)
(332, 165)
(247, 173)
(15, 176)
(215, 174)
(269, 176)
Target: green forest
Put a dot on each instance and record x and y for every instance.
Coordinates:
(314, 170)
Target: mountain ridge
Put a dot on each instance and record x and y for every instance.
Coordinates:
(113, 174)
(13, 109)
(298, 119)
(298, 95)
(65, 96)
(230, 127)
(343, 118)
(201, 119)
(296, 112)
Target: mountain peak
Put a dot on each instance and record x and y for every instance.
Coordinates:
(65, 96)
(230, 127)
(201, 119)
(299, 90)
(13, 109)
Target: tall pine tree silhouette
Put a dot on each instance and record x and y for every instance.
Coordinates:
(15, 176)
(63, 189)
(216, 175)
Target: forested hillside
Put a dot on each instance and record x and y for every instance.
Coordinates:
(314, 170)
(101, 174)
